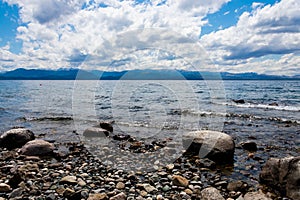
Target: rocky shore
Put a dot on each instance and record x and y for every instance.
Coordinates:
(31, 168)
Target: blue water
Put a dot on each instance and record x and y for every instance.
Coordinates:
(153, 109)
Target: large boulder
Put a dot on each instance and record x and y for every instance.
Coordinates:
(214, 145)
(284, 175)
(95, 132)
(16, 138)
(37, 148)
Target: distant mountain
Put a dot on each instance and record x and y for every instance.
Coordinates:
(72, 74)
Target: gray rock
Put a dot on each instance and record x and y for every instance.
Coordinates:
(256, 196)
(211, 193)
(95, 132)
(284, 175)
(37, 148)
(16, 138)
(214, 145)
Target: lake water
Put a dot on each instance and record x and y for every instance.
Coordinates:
(62, 110)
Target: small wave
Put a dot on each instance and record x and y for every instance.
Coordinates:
(56, 118)
(265, 106)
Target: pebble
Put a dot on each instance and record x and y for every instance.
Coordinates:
(101, 196)
(180, 181)
(69, 180)
(120, 185)
(4, 187)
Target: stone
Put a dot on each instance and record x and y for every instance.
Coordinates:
(188, 191)
(214, 145)
(16, 138)
(95, 132)
(120, 185)
(170, 166)
(107, 126)
(256, 196)
(37, 148)
(120, 196)
(249, 146)
(68, 192)
(100, 196)
(147, 187)
(180, 181)
(4, 187)
(237, 186)
(211, 193)
(69, 180)
(16, 193)
(283, 174)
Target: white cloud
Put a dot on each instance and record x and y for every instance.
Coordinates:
(266, 30)
(60, 33)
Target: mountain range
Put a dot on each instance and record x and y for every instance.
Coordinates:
(72, 74)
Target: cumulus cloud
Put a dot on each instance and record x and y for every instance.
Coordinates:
(58, 33)
(266, 30)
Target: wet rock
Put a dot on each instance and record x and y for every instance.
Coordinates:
(249, 146)
(16, 138)
(101, 196)
(95, 132)
(120, 196)
(180, 181)
(4, 187)
(107, 126)
(239, 101)
(283, 174)
(256, 196)
(68, 180)
(214, 145)
(211, 193)
(37, 148)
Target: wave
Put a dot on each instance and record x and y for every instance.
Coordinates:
(265, 106)
(48, 118)
(235, 115)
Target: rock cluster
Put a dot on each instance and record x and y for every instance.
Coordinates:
(37, 170)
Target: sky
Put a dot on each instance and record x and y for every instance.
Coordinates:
(217, 35)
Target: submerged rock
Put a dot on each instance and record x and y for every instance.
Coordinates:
(249, 146)
(95, 132)
(37, 148)
(284, 175)
(214, 145)
(16, 138)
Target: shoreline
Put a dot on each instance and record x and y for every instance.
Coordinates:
(32, 177)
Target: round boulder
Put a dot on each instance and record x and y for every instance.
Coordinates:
(37, 148)
(16, 138)
(214, 145)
